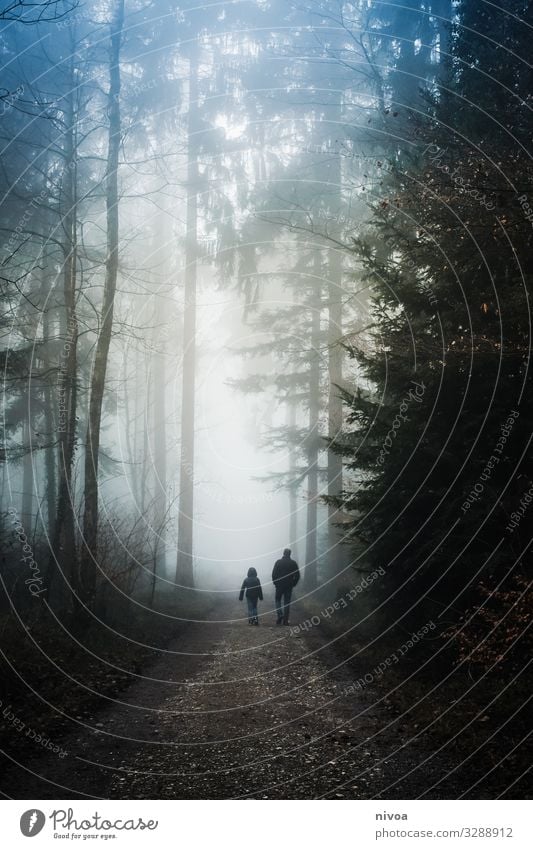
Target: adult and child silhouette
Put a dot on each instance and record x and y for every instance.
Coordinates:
(285, 576)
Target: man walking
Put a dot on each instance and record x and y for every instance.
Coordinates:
(285, 576)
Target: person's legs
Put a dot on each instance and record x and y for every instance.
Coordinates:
(279, 609)
(254, 613)
(250, 610)
(286, 605)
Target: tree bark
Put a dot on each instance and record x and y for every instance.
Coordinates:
(49, 398)
(184, 565)
(27, 475)
(63, 553)
(160, 438)
(98, 376)
(335, 357)
(293, 492)
(334, 407)
(311, 549)
(146, 421)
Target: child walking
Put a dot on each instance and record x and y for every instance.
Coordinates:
(252, 587)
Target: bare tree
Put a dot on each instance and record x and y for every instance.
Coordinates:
(28, 12)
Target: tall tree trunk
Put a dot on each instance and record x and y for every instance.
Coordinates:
(139, 385)
(49, 397)
(311, 548)
(130, 423)
(334, 407)
(146, 422)
(90, 516)
(63, 549)
(444, 24)
(184, 565)
(27, 475)
(335, 356)
(160, 435)
(293, 492)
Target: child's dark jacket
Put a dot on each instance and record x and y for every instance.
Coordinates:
(252, 588)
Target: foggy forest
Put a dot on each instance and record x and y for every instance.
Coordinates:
(267, 474)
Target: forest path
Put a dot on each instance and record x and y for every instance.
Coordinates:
(239, 711)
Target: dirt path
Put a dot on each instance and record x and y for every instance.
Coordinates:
(234, 711)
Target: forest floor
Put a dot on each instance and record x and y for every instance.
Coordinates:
(235, 711)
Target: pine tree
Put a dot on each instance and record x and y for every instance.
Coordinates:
(439, 440)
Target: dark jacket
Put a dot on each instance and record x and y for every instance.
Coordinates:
(285, 573)
(252, 586)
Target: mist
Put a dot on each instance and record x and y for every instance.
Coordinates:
(266, 436)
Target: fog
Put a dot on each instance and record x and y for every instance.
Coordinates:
(265, 283)
(186, 295)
